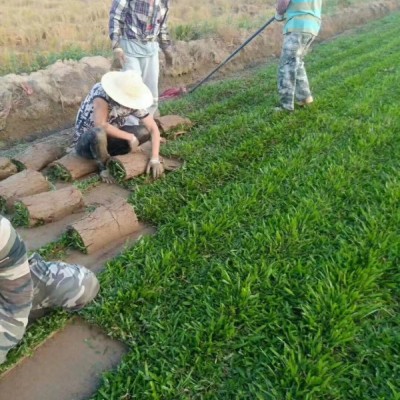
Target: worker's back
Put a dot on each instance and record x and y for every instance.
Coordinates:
(303, 16)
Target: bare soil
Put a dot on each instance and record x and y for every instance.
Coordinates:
(67, 366)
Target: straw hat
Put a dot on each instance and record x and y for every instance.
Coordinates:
(127, 88)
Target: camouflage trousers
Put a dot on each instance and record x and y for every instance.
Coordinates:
(292, 76)
(27, 285)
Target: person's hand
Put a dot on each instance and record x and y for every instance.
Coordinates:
(155, 167)
(169, 55)
(106, 176)
(279, 17)
(118, 59)
(134, 144)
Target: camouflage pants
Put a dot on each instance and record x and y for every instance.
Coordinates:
(57, 284)
(34, 284)
(292, 76)
(16, 288)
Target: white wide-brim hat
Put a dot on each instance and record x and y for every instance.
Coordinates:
(127, 88)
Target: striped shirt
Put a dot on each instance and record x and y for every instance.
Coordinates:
(303, 16)
(143, 20)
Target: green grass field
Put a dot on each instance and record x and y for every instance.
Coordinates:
(275, 270)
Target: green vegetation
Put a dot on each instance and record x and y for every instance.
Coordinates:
(56, 250)
(85, 185)
(117, 171)
(193, 31)
(275, 270)
(274, 274)
(58, 172)
(16, 65)
(21, 215)
(20, 166)
(74, 241)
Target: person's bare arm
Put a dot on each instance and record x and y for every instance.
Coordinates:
(101, 120)
(155, 164)
(152, 127)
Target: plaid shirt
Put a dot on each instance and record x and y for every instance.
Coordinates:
(144, 20)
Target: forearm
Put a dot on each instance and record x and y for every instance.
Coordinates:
(115, 132)
(155, 144)
(281, 6)
(116, 21)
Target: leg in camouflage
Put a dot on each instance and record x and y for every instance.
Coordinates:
(27, 285)
(57, 284)
(16, 291)
(292, 75)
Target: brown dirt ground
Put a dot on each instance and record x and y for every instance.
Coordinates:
(67, 366)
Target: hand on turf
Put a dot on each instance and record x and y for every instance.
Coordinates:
(155, 167)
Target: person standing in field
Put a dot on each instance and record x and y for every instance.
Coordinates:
(28, 285)
(302, 20)
(138, 28)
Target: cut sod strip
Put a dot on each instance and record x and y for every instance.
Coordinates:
(47, 207)
(38, 156)
(71, 167)
(23, 184)
(7, 168)
(67, 366)
(104, 225)
(128, 166)
(173, 125)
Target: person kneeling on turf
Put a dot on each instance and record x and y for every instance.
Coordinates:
(28, 285)
(101, 130)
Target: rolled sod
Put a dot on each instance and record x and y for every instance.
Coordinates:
(47, 207)
(22, 184)
(128, 165)
(7, 168)
(103, 226)
(38, 156)
(170, 123)
(71, 167)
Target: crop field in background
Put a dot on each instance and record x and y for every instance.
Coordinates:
(275, 270)
(35, 33)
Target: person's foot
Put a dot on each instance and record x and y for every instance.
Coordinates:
(306, 102)
(106, 177)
